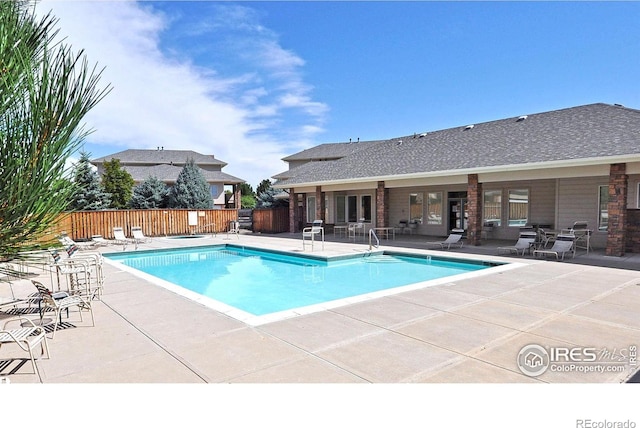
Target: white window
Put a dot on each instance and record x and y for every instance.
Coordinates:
(518, 207)
(311, 209)
(341, 209)
(603, 208)
(492, 207)
(434, 208)
(415, 208)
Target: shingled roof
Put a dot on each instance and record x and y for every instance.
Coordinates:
(160, 156)
(584, 135)
(170, 173)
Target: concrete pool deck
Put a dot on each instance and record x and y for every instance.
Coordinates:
(468, 330)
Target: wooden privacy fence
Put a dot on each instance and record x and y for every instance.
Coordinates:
(154, 222)
(271, 220)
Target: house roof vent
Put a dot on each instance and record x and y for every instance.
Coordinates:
(521, 118)
(468, 127)
(424, 134)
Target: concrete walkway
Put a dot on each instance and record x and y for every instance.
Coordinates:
(468, 330)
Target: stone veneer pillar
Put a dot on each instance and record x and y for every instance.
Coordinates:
(382, 206)
(474, 209)
(293, 209)
(319, 205)
(617, 210)
(238, 197)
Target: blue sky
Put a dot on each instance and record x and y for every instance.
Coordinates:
(252, 82)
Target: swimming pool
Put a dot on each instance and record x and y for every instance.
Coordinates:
(256, 285)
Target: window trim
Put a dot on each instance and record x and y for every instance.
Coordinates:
(516, 189)
(484, 218)
(436, 222)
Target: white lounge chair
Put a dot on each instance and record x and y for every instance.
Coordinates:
(562, 245)
(121, 238)
(66, 241)
(524, 243)
(454, 238)
(312, 232)
(138, 236)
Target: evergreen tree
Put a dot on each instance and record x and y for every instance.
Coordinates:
(246, 189)
(267, 199)
(45, 92)
(151, 193)
(89, 194)
(263, 186)
(191, 189)
(117, 182)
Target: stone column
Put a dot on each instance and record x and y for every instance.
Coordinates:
(617, 210)
(474, 209)
(238, 197)
(382, 206)
(293, 211)
(319, 204)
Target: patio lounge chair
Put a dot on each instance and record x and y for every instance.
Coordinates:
(138, 236)
(562, 245)
(59, 301)
(66, 241)
(27, 337)
(312, 232)
(121, 238)
(524, 243)
(454, 238)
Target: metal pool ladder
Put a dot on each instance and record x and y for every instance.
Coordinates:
(372, 233)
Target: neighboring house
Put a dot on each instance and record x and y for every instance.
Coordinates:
(549, 169)
(166, 166)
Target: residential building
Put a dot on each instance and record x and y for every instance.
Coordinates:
(547, 169)
(166, 166)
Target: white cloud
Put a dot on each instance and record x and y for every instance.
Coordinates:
(159, 99)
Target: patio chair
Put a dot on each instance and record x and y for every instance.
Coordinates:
(312, 232)
(79, 275)
(59, 302)
(138, 236)
(454, 238)
(234, 228)
(545, 237)
(95, 260)
(27, 337)
(526, 240)
(356, 229)
(562, 245)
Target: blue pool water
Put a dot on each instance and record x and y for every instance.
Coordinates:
(262, 282)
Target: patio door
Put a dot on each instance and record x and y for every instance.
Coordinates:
(458, 215)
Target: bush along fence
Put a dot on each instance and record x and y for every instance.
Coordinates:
(83, 225)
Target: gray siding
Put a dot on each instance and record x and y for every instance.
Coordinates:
(578, 200)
